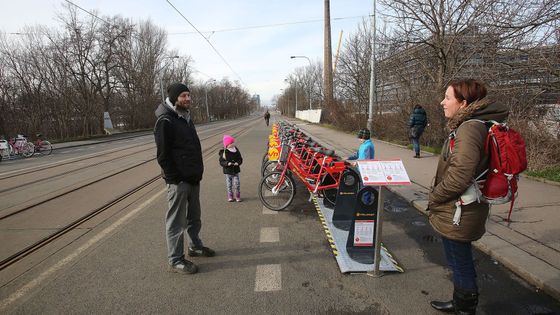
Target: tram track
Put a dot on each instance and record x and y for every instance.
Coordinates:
(33, 170)
(49, 183)
(66, 228)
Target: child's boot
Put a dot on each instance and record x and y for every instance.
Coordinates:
(230, 197)
(238, 197)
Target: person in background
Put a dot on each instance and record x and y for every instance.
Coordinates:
(266, 117)
(463, 158)
(230, 160)
(179, 155)
(416, 124)
(366, 151)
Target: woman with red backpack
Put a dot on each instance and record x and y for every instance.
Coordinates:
(463, 159)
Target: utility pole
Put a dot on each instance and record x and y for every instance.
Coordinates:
(372, 85)
(327, 67)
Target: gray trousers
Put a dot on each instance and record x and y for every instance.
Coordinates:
(183, 213)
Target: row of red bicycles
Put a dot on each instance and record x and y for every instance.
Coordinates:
(20, 146)
(291, 153)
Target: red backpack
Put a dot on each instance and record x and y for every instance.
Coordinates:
(507, 159)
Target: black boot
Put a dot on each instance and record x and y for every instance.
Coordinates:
(443, 306)
(465, 302)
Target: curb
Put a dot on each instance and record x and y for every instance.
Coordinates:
(493, 250)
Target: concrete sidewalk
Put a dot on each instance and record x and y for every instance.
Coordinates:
(529, 245)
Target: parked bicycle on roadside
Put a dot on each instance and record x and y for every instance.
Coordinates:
(42, 146)
(18, 146)
(318, 168)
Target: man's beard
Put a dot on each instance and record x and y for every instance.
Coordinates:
(182, 108)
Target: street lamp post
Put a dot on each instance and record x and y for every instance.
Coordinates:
(206, 97)
(310, 66)
(160, 71)
(295, 89)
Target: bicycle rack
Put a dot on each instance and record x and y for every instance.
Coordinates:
(346, 199)
(360, 244)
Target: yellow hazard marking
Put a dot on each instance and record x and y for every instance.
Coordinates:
(325, 226)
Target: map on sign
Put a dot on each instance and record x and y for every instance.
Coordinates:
(383, 172)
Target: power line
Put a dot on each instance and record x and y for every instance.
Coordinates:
(206, 39)
(269, 25)
(86, 11)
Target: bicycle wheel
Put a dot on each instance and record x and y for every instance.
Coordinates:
(28, 150)
(44, 147)
(329, 195)
(269, 167)
(276, 192)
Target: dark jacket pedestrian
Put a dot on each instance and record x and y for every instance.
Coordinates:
(463, 158)
(416, 124)
(230, 160)
(179, 155)
(266, 117)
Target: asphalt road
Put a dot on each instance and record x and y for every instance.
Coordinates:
(266, 263)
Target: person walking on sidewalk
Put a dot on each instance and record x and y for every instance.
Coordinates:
(462, 159)
(230, 160)
(266, 117)
(416, 124)
(179, 155)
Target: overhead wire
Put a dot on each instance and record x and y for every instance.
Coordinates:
(88, 12)
(208, 41)
(269, 25)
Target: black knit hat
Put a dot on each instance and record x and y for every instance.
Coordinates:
(363, 134)
(174, 90)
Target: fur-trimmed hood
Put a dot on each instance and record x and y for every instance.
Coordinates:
(483, 109)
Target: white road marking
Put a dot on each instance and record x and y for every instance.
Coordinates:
(270, 235)
(59, 265)
(268, 278)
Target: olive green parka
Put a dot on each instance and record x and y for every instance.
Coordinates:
(457, 170)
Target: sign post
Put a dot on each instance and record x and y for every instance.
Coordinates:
(381, 173)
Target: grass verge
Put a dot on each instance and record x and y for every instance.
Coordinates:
(552, 173)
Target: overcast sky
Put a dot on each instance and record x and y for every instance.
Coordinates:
(259, 55)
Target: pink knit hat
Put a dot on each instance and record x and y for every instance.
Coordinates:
(228, 140)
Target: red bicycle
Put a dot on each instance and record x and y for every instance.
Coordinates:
(318, 168)
(43, 147)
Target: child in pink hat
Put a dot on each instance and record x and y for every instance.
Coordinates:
(230, 160)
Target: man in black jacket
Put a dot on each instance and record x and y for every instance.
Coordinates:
(179, 155)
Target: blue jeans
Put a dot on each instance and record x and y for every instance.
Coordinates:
(460, 260)
(416, 145)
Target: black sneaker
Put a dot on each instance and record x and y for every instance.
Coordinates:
(202, 251)
(184, 267)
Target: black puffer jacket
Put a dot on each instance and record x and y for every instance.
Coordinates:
(178, 148)
(417, 122)
(227, 156)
